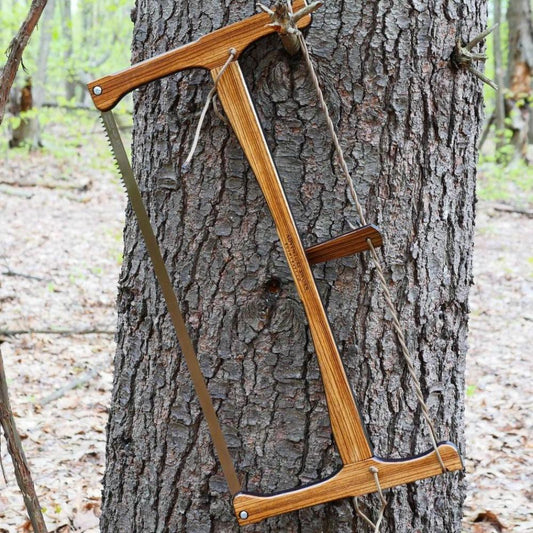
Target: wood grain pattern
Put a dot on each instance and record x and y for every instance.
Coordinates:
(350, 243)
(346, 424)
(352, 480)
(208, 52)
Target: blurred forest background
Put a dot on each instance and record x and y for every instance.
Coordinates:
(75, 41)
(78, 40)
(61, 225)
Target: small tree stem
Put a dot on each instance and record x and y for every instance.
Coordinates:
(14, 446)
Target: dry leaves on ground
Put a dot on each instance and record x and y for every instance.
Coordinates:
(60, 249)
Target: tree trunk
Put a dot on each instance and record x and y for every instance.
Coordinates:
(21, 104)
(520, 70)
(409, 124)
(29, 130)
(45, 41)
(499, 111)
(66, 29)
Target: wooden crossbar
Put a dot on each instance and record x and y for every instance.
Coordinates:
(350, 243)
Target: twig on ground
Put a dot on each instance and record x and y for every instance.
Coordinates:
(81, 187)
(511, 209)
(14, 446)
(12, 191)
(85, 378)
(14, 274)
(67, 332)
(16, 48)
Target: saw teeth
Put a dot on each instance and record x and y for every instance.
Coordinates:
(115, 160)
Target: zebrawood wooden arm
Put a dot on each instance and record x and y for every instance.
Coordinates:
(350, 435)
(208, 52)
(352, 480)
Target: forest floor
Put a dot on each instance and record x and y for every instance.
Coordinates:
(60, 255)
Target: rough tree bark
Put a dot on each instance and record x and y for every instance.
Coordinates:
(520, 71)
(410, 125)
(66, 29)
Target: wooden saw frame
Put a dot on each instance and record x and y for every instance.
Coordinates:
(356, 476)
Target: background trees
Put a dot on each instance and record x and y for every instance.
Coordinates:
(72, 43)
(88, 37)
(510, 108)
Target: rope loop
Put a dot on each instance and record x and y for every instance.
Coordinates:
(375, 258)
(376, 525)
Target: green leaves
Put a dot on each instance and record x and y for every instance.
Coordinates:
(87, 38)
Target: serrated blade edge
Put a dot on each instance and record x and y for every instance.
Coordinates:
(161, 272)
(117, 148)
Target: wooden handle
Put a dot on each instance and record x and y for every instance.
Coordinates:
(208, 52)
(352, 480)
(346, 424)
(350, 243)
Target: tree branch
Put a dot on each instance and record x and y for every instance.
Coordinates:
(14, 446)
(85, 378)
(15, 50)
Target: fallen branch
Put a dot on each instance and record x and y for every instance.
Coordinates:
(14, 274)
(510, 209)
(94, 331)
(70, 107)
(82, 380)
(81, 187)
(12, 191)
(16, 48)
(79, 107)
(14, 446)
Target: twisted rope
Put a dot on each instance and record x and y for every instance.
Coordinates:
(377, 263)
(210, 98)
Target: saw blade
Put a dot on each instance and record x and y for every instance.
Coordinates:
(163, 277)
(117, 149)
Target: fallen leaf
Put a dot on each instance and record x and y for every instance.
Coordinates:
(65, 528)
(490, 518)
(25, 527)
(483, 527)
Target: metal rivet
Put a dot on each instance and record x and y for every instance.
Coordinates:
(243, 515)
(97, 90)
